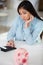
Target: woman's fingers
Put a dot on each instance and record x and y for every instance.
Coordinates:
(10, 43)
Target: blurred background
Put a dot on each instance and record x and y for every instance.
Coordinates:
(8, 11)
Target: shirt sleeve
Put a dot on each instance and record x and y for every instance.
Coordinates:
(12, 31)
(38, 30)
(28, 36)
(32, 38)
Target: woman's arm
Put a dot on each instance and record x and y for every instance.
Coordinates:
(12, 34)
(12, 31)
(28, 36)
(38, 30)
(32, 38)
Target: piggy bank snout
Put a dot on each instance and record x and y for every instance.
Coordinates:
(24, 60)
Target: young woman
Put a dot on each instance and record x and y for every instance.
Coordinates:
(27, 26)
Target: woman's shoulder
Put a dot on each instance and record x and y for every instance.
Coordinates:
(39, 23)
(16, 19)
(39, 20)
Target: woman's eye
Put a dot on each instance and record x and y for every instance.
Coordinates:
(24, 13)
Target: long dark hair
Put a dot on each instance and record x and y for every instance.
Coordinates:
(29, 7)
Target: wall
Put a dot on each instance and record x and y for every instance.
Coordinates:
(35, 3)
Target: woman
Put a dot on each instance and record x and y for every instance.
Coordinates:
(27, 26)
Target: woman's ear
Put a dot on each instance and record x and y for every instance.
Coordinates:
(41, 35)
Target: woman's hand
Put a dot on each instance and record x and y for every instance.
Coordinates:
(28, 22)
(11, 43)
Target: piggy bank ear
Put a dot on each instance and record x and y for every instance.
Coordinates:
(26, 54)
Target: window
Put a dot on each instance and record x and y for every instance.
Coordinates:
(3, 4)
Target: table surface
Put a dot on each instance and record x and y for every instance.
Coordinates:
(35, 52)
(35, 55)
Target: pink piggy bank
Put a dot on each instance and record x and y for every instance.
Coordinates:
(21, 57)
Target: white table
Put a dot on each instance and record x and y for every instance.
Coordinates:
(35, 53)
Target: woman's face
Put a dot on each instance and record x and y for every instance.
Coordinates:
(25, 15)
